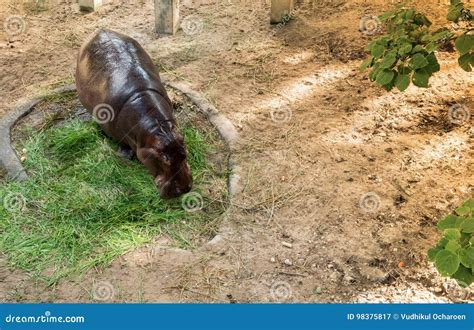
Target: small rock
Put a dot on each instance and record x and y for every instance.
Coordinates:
(339, 159)
(371, 159)
(23, 158)
(414, 180)
(318, 290)
(349, 279)
(286, 244)
(288, 262)
(216, 240)
(272, 259)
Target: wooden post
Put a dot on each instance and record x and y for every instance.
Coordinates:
(166, 16)
(279, 9)
(89, 5)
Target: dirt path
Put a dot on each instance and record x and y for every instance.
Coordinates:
(342, 181)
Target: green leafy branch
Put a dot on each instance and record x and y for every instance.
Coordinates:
(406, 54)
(454, 254)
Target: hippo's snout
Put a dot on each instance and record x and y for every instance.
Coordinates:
(174, 187)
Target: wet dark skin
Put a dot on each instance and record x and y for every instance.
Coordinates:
(114, 70)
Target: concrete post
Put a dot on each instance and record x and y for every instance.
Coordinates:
(89, 5)
(166, 16)
(279, 9)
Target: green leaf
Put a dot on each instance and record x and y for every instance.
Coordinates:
(441, 34)
(385, 77)
(388, 61)
(459, 222)
(388, 87)
(431, 47)
(467, 257)
(447, 263)
(464, 241)
(469, 203)
(467, 225)
(417, 49)
(448, 222)
(466, 62)
(442, 242)
(377, 50)
(433, 252)
(387, 15)
(426, 38)
(464, 43)
(410, 13)
(402, 82)
(405, 49)
(463, 210)
(421, 78)
(453, 246)
(366, 64)
(455, 12)
(463, 276)
(404, 69)
(375, 71)
(422, 20)
(418, 61)
(471, 241)
(433, 65)
(452, 234)
(384, 41)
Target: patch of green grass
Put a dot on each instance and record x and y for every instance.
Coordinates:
(85, 205)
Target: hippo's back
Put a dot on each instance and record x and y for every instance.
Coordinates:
(111, 68)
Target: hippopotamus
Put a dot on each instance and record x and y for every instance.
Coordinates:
(120, 86)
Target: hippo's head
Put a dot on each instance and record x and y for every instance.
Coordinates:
(164, 155)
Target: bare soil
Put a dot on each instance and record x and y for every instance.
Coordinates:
(342, 182)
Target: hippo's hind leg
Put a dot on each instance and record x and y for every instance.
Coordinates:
(125, 151)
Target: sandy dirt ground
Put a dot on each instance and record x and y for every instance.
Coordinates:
(342, 182)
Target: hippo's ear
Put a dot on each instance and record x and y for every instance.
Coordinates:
(146, 154)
